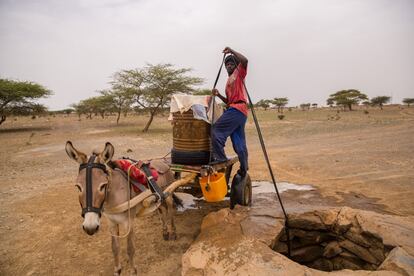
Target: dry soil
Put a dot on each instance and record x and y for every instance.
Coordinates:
(353, 158)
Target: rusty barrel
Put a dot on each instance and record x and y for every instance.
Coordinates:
(191, 139)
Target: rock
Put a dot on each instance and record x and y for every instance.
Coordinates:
(359, 251)
(322, 264)
(307, 221)
(262, 227)
(307, 254)
(368, 266)
(301, 238)
(280, 247)
(374, 241)
(374, 237)
(356, 236)
(298, 243)
(349, 256)
(311, 235)
(264, 205)
(342, 263)
(378, 253)
(344, 221)
(328, 217)
(332, 249)
(245, 257)
(400, 261)
(393, 230)
(215, 218)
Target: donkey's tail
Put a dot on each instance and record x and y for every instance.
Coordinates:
(178, 201)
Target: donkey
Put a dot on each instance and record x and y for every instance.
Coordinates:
(102, 185)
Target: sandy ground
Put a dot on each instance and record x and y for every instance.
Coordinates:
(361, 160)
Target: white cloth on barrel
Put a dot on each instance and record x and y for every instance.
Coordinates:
(199, 104)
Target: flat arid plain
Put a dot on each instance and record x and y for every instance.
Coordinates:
(354, 159)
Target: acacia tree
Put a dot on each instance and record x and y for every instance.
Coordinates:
(162, 81)
(347, 98)
(18, 97)
(120, 99)
(330, 102)
(152, 86)
(84, 107)
(380, 100)
(366, 104)
(202, 92)
(80, 108)
(305, 106)
(264, 104)
(280, 103)
(103, 104)
(408, 101)
(94, 106)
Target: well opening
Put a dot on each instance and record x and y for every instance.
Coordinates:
(330, 244)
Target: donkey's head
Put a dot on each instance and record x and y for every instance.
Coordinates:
(92, 183)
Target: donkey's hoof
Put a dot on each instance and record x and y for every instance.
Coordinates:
(117, 271)
(135, 270)
(173, 236)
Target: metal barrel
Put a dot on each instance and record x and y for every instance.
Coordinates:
(190, 134)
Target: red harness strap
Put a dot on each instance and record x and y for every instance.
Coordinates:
(135, 173)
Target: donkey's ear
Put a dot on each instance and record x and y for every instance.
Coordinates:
(74, 154)
(107, 153)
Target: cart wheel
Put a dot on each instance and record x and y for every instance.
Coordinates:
(241, 191)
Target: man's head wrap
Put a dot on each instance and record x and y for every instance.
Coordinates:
(231, 58)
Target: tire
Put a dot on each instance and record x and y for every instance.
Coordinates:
(190, 157)
(241, 191)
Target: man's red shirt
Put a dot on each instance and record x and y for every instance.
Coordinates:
(235, 91)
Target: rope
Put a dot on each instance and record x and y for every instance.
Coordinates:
(259, 132)
(164, 155)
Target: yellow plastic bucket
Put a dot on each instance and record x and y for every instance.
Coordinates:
(214, 187)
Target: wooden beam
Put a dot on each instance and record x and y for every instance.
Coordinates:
(147, 199)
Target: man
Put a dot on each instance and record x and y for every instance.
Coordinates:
(233, 120)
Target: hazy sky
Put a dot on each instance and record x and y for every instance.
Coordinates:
(300, 49)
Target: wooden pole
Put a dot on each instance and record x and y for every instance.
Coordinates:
(147, 199)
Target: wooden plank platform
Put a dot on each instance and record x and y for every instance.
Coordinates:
(203, 169)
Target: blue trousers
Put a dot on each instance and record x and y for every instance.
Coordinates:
(231, 123)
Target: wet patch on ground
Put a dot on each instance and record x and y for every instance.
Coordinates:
(268, 187)
(296, 195)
